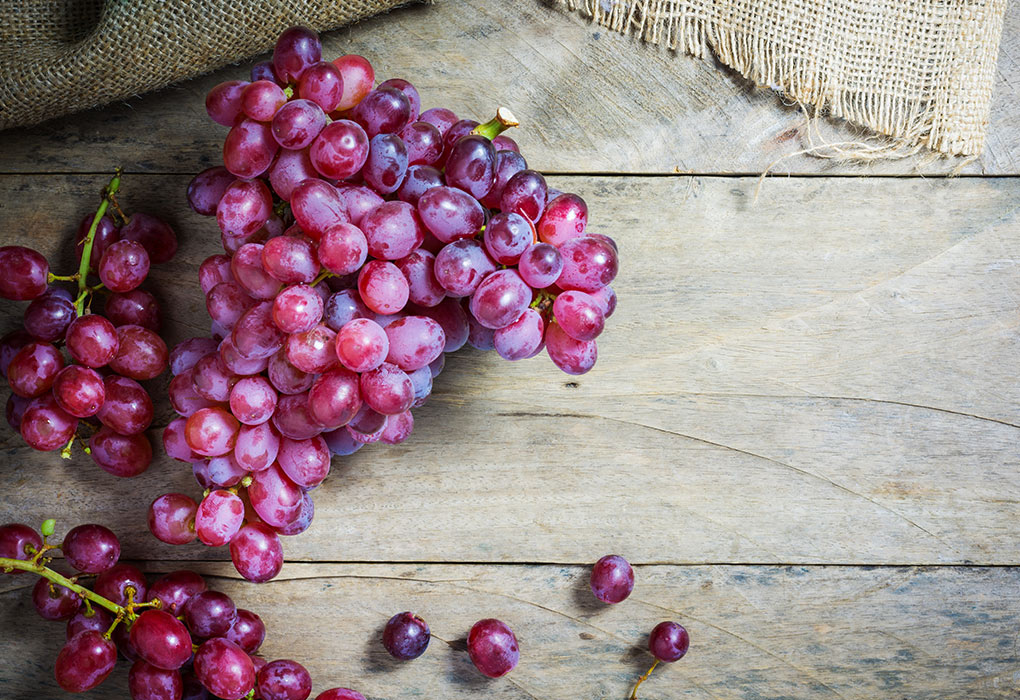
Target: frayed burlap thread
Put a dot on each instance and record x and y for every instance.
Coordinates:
(61, 56)
(917, 71)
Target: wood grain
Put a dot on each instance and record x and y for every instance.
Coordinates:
(826, 376)
(757, 632)
(591, 100)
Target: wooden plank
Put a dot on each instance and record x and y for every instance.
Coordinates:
(757, 632)
(591, 100)
(826, 376)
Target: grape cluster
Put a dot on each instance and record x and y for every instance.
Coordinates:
(363, 240)
(96, 382)
(184, 641)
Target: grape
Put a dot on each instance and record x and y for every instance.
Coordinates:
(79, 391)
(540, 265)
(393, 230)
(343, 249)
(248, 630)
(612, 579)
(209, 614)
(219, 517)
(571, 356)
(524, 194)
(362, 345)
(25, 273)
(579, 315)
(340, 694)
(344, 306)
(406, 636)
(387, 389)
(285, 377)
(368, 425)
(85, 661)
(290, 259)
(606, 299)
(175, 589)
(106, 233)
(289, 170)
(94, 619)
(383, 111)
(508, 164)
(424, 143)
(212, 379)
(134, 308)
(223, 103)
(306, 462)
(471, 165)
(461, 266)
(226, 303)
(128, 407)
(275, 498)
(422, 286)
(174, 443)
(261, 99)
(504, 142)
(398, 428)
(450, 214)
(146, 682)
(297, 124)
(588, 264)
(419, 180)
(382, 287)
(341, 443)
(183, 397)
(255, 335)
(161, 639)
(317, 206)
(257, 553)
(303, 519)
(334, 398)
(91, 549)
(154, 234)
(124, 266)
(386, 165)
(358, 78)
(565, 218)
(358, 201)
(53, 601)
(296, 49)
(480, 337)
(45, 426)
(172, 518)
(507, 236)
(204, 193)
(605, 239)
(340, 149)
(224, 471)
(293, 419)
(500, 299)
(48, 317)
(244, 208)
(312, 351)
(492, 647)
(284, 680)
(214, 270)
(669, 641)
(410, 92)
(522, 338)
(414, 342)
(114, 583)
(246, 267)
(19, 541)
(237, 364)
(249, 149)
(256, 447)
(322, 84)
(452, 135)
(193, 688)
(211, 431)
(439, 117)
(253, 400)
(10, 344)
(15, 410)
(120, 455)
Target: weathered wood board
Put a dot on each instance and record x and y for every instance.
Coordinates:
(591, 100)
(848, 633)
(826, 376)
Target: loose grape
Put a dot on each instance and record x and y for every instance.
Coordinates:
(493, 648)
(172, 518)
(612, 579)
(406, 636)
(669, 641)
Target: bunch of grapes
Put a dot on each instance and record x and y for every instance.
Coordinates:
(363, 240)
(54, 393)
(182, 639)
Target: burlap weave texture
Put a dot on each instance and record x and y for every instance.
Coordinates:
(919, 71)
(61, 56)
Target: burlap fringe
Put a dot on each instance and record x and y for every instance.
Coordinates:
(953, 127)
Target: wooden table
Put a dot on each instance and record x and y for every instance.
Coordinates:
(802, 427)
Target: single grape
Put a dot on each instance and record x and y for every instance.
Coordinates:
(224, 471)
(522, 338)
(209, 614)
(419, 180)
(358, 78)
(423, 288)
(393, 230)
(285, 377)
(452, 318)
(565, 217)
(53, 601)
(91, 549)
(383, 111)
(204, 193)
(25, 273)
(275, 498)
(322, 84)
(540, 265)
(85, 661)
(450, 214)
(480, 337)
(406, 636)
(367, 425)
(296, 49)
(92, 619)
(223, 103)
(612, 579)
(121, 582)
(247, 632)
(161, 639)
(289, 170)
(588, 264)
(317, 206)
(257, 446)
(471, 165)
(341, 443)
(120, 455)
(414, 342)
(504, 142)
(246, 268)
(579, 315)
(359, 201)
(249, 149)
(290, 259)
(219, 517)
(386, 165)
(244, 208)
(342, 249)
(297, 124)
(45, 426)
(226, 303)
(312, 351)
(48, 317)
(571, 356)
(183, 397)
(257, 554)
(154, 234)
(424, 143)
(500, 299)
(507, 237)
(387, 389)
(135, 308)
(293, 418)
(284, 680)
(439, 117)
(669, 641)
(146, 682)
(106, 233)
(461, 266)
(398, 428)
(410, 92)
(175, 589)
(340, 149)
(211, 431)
(255, 335)
(214, 270)
(261, 99)
(492, 647)
(19, 541)
(128, 407)
(334, 398)
(172, 518)
(382, 287)
(10, 344)
(340, 694)
(79, 390)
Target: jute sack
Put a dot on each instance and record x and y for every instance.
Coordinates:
(919, 71)
(60, 56)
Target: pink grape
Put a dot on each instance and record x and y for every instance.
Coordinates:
(480, 337)
(340, 149)
(461, 266)
(439, 117)
(422, 286)
(25, 273)
(507, 236)
(334, 398)
(493, 648)
(174, 444)
(54, 602)
(261, 99)
(317, 206)
(92, 340)
(223, 103)
(246, 267)
(219, 517)
(48, 317)
(284, 680)
(293, 419)
(419, 180)
(224, 470)
(522, 338)
(297, 124)
(155, 235)
(211, 431)
(285, 377)
(11, 343)
(304, 517)
(253, 400)
(450, 214)
(106, 233)
(500, 299)
(398, 428)
(209, 614)
(236, 363)
(114, 584)
(571, 356)
(290, 259)
(358, 78)
(256, 447)
(33, 369)
(414, 342)
(289, 170)
(161, 639)
(565, 218)
(612, 579)
(386, 165)
(146, 682)
(245, 207)
(249, 149)
(124, 266)
(393, 230)
(322, 84)
(368, 425)
(340, 694)
(121, 455)
(85, 661)
(452, 318)
(127, 408)
(588, 264)
(135, 308)
(172, 518)
(471, 165)
(383, 111)
(45, 426)
(382, 287)
(175, 589)
(606, 299)
(224, 669)
(226, 303)
(296, 49)
(248, 630)
(91, 549)
(341, 443)
(343, 249)
(257, 554)
(214, 270)
(312, 351)
(540, 265)
(410, 92)
(504, 142)
(255, 335)
(424, 143)
(141, 353)
(524, 194)
(306, 462)
(264, 71)
(275, 498)
(669, 641)
(204, 193)
(344, 306)
(387, 389)
(362, 345)
(358, 201)
(452, 135)
(212, 379)
(579, 315)
(183, 397)
(79, 390)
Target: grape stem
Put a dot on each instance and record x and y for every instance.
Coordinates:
(86, 252)
(642, 679)
(322, 275)
(503, 120)
(34, 566)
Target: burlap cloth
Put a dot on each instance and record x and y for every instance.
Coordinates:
(919, 71)
(60, 56)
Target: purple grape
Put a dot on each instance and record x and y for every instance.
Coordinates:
(612, 579)
(406, 636)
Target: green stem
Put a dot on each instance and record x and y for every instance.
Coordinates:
(322, 275)
(52, 576)
(503, 120)
(86, 252)
(642, 679)
(61, 278)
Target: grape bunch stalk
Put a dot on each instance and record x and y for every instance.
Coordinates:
(363, 239)
(94, 395)
(184, 640)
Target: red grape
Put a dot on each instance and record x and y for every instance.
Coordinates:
(91, 549)
(146, 682)
(26, 273)
(211, 431)
(669, 641)
(85, 661)
(612, 579)
(120, 455)
(33, 369)
(406, 636)
(492, 647)
(113, 584)
(53, 601)
(92, 340)
(45, 426)
(358, 78)
(124, 266)
(256, 553)
(155, 235)
(161, 639)
(79, 390)
(172, 518)
(284, 680)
